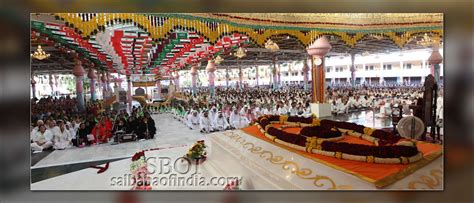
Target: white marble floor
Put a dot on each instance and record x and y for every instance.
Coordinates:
(170, 133)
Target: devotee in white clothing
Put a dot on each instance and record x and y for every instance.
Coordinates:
(205, 124)
(293, 109)
(282, 110)
(238, 121)
(61, 137)
(193, 120)
(213, 113)
(42, 139)
(220, 123)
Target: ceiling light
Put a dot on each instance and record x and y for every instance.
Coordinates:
(40, 54)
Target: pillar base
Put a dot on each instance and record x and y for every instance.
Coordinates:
(321, 109)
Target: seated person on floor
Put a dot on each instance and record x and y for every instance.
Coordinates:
(101, 132)
(205, 124)
(132, 125)
(220, 123)
(61, 136)
(42, 139)
(193, 120)
(145, 129)
(238, 121)
(82, 136)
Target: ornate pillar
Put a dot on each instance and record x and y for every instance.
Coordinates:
(279, 76)
(176, 81)
(211, 68)
(103, 79)
(318, 50)
(274, 73)
(109, 88)
(256, 75)
(51, 84)
(401, 72)
(194, 73)
(305, 74)
(434, 60)
(353, 70)
(92, 76)
(158, 88)
(79, 72)
(129, 92)
(227, 77)
(33, 87)
(241, 76)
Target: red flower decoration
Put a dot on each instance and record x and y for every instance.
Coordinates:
(138, 155)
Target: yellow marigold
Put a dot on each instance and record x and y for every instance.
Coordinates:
(318, 147)
(404, 160)
(283, 119)
(338, 155)
(319, 141)
(370, 159)
(368, 131)
(316, 122)
(310, 143)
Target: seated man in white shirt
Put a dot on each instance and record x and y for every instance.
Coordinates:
(205, 124)
(42, 139)
(238, 121)
(61, 137)
(293, 109)
(193, 120)
(220, 123)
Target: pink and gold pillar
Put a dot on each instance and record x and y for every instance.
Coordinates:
(434, 60)
(318, 51)
(92, 76)
(211, 68)
(79, 72)
(194, 73)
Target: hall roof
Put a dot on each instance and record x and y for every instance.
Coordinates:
(162, 43)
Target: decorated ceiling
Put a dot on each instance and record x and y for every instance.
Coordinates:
(159, 43)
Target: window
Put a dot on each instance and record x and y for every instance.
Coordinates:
(371, 67)
(407, 65)
(328, 70)
(387, 67)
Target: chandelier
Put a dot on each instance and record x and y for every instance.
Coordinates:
(427, 41)
(271, 45)
(40, 54)
(377, 36)
(240, 53)
(218, 60)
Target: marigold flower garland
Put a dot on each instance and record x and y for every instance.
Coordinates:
(321, 136)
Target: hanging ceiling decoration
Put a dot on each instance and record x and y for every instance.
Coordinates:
(240, 53)
(218, 60)
(271, 45)
(161, 43)
(351, 27)
(39, 54)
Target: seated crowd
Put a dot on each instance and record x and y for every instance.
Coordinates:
(235, 108)
(57, 124)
